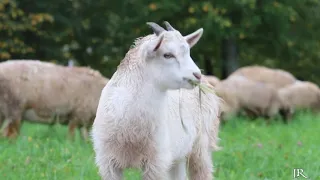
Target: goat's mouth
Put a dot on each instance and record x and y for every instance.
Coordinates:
(203, 87)
(194, 83)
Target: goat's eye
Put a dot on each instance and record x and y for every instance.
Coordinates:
(168, 55)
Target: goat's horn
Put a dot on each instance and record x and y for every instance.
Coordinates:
(168, 25)
(156, 28)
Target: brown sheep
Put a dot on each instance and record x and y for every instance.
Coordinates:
(277, 77)
(257, 99)
(230, 104)
(301, 95)
(45, 92)
(213, 80)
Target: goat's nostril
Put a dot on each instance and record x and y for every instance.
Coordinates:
(197, 75)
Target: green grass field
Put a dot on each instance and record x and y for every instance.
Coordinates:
(251, 150)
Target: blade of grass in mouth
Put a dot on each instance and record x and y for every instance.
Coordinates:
(203, 89)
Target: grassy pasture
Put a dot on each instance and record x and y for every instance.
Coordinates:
(251, 150)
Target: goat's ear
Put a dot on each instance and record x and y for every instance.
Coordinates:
(194, 37)
(159, 42)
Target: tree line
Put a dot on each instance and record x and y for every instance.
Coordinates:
(275, 33)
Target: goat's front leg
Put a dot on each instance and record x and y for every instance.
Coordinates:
(157, 167)
(178, 171)
(111, 173)
(108, 168)
(200, 164)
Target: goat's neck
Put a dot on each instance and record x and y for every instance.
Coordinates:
(145, 94)
(149, 95)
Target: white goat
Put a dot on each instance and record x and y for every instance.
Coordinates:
(138, 125)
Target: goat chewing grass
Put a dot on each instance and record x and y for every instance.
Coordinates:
(203, 88)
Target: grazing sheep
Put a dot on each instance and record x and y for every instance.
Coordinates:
(256, 98)
(300, 95)
(44, 92)
(213, 80)
(276, 77)
(138, 123)
(230, 105)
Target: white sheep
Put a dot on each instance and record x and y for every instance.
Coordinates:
(138, 124)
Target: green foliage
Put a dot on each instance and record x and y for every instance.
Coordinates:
(251, 150)
(275, 33)
(15, 25)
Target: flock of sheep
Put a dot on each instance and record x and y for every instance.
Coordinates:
(149, 115)
(265, 92)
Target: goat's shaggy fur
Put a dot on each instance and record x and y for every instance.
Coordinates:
(275, 77)
(43, 92)
(139, 126)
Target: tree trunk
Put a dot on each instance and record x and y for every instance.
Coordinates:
(208, 66)
(229, 56)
